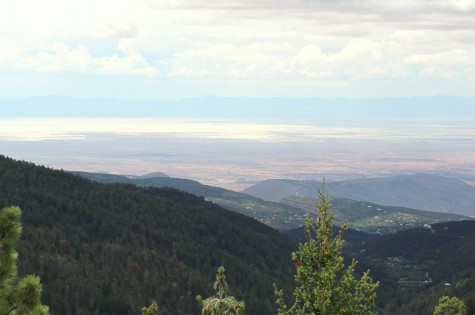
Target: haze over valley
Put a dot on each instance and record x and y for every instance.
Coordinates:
(234, 147)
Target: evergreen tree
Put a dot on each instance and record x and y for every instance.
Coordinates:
(221, 303)
(20, 298)
(325, 285)
(450, 306)
(151, 310)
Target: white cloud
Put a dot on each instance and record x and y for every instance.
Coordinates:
(452, 57)
(455, 64)
(284, 61)
(131, 64)
(112, 31)
(8, 53)
(233, 42)
(61, 58)
(228, 61)
(402, 10)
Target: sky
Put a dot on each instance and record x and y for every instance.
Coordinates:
(176, 49)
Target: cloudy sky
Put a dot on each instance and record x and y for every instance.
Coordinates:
(173, 49)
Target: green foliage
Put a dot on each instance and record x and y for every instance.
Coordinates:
(151, 310)
(221, 303)
(450, 306)
(22, 297)
(325, 285)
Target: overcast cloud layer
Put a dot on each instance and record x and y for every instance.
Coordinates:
(175, 48)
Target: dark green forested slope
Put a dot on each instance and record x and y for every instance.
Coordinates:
(105, 249)
(415, 265)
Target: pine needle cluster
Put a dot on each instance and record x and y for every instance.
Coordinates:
(325, 285)
(16, 297)
(221, 303)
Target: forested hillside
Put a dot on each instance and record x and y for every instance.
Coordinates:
(420, 265)
(107, 249)
(277, 215)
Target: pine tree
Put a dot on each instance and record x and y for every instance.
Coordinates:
(16, 298)
(221, 303)
(151, 310)
(450, 306)
(325, 286)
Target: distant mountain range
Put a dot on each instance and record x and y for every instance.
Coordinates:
(422, 191)
(290, 213)
(309, 110)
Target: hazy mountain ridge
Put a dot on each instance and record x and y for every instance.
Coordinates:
(272, 109)
(291, 212)
(421, 191)
(152, 175)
